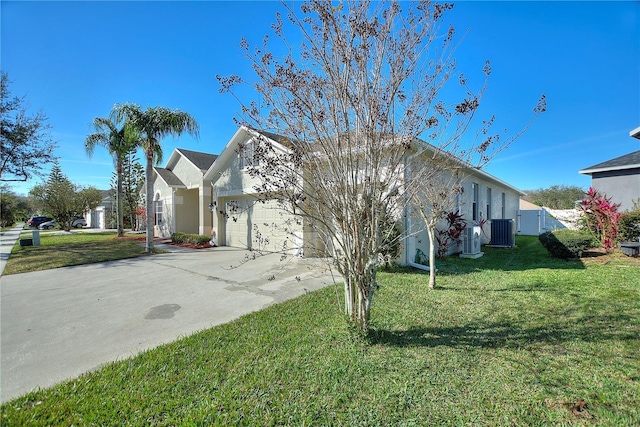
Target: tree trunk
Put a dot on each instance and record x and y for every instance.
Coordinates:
(119, 213)
(149, 197)
(432, 256)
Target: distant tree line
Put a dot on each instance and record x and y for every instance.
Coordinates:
(556, 196)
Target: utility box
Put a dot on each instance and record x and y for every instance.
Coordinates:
(35, 237)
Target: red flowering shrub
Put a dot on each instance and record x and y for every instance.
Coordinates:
(451, 234)
(141, 211)
(601, 217)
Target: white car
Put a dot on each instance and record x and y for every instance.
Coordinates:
(79, 222)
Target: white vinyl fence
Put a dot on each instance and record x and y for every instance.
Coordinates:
(538, 221)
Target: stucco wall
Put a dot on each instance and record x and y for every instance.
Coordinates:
(186, 211)
(164, 193)
(622, 186)
(190, 176)
(419, 238)
(233, 181)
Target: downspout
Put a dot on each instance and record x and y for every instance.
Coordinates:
(409, 260)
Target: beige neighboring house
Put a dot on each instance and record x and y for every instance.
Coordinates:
(181, 195)
(241, 221)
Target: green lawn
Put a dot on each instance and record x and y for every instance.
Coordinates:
(514, 338)
(75, 248)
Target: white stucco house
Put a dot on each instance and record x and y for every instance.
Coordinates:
(181, 195)
(259, 225)
(103, 215)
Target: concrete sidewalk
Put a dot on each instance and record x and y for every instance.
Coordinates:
(57, 324)
(7, 240)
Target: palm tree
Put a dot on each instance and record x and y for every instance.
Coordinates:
(153, 124)
(118, 142)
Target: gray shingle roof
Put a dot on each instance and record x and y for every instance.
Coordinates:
(628, 161)
(282, 140)
(169, 177)
(202, 160)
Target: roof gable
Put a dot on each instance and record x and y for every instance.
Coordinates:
(202, 161)
(169, 177)
(282, 140)
(628, 161)
(243, 133)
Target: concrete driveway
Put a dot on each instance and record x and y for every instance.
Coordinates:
(58, 324)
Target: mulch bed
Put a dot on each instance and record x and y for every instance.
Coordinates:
(168, 241)
(600, 256)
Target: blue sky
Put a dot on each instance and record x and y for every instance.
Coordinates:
(75, 60)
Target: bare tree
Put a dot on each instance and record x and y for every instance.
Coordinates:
(25, 143)
(353, 97)
(437, 172)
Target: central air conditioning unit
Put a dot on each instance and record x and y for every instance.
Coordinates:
(471, 241)
(502, 233)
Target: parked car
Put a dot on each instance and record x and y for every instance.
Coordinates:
(47, 225)
(78, 222)
(35, 221)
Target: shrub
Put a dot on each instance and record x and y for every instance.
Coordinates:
(601, 216)
(567, 243)
(451, 234)
(193, 239)
(629, 226)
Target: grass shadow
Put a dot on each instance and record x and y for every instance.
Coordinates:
(507, 334)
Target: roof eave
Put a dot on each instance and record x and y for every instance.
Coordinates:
(609, 169)
(635, 133)
(475, 171)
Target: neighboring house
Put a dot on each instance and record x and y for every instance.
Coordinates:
(241, 221)
(618, 178)
(181, 195)
(102, 216)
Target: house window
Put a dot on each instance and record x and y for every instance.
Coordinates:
(248, 156)
(474, 207)
(157, 209)
(504, 198)
(488, 203)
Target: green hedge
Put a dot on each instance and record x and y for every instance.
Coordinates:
(629, 227)
(567, 243)
(194, 239)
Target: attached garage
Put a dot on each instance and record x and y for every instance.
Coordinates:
(261, 226)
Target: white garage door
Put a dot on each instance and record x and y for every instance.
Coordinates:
(260, 226)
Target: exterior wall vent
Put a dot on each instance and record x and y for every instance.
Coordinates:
(502, 233)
